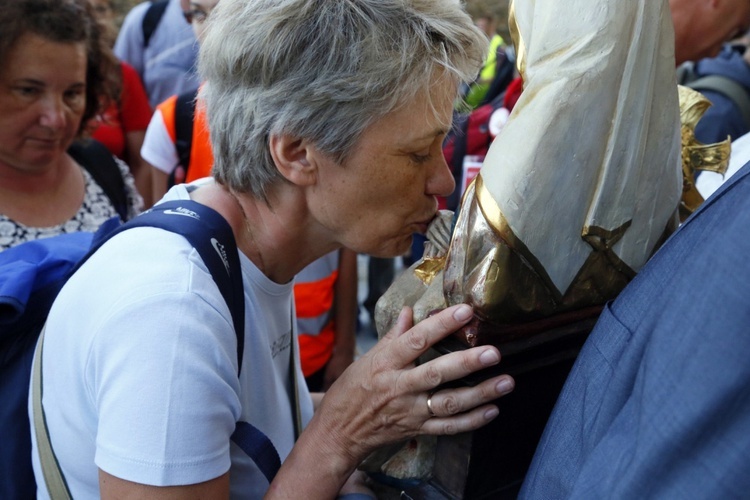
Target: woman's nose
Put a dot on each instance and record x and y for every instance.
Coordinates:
(441, 181)
(52, 113)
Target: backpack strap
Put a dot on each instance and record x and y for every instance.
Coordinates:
(100, 163)
(151, 19)
(184, 115)
(53, 476)
(213, 238)
(730, 88)
(685, 73)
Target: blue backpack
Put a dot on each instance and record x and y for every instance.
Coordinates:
(31, 275)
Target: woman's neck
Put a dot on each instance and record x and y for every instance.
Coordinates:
(275, 237)
(43, 198)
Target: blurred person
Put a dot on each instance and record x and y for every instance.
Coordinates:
(177, 145)
(657, 404)
(728, 92)
(322, 145)
(496, 57)
(325, 301)
(122, 126)
(703, 26)
(166, 62)
(54, 81)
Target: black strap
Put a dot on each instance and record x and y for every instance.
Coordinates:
(184, 115)
(211, 235)
(258, 447)
(99, 162)
(151, 19)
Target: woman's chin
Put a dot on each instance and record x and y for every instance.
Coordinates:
(396, 248)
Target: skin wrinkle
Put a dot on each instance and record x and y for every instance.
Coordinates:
(433, 376)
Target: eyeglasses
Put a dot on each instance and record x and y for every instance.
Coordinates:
(195, 15)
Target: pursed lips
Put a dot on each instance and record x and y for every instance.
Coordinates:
(425, 223)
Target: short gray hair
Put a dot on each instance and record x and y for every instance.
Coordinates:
(322, 70)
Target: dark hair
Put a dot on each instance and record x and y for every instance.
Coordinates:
(65, 21)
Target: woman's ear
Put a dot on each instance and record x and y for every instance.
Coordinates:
(294, 158)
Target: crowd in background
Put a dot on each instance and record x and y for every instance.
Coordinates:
(135, 88)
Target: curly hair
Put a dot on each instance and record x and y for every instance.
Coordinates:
(66, 21)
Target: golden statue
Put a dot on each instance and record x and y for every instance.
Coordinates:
(577, 191)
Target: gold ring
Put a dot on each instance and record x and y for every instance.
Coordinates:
(429, 405)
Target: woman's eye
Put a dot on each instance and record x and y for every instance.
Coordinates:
(75, 99)
(198, 15)
(27, 91)
(419, 158)
(73, 95)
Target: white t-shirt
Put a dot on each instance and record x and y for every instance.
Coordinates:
(708, 182)
(158, 149)
(140, 368)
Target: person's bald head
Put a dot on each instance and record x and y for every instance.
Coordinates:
(703, 26)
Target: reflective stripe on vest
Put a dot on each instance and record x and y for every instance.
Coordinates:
(314, 298)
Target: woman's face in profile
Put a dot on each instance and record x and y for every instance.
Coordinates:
(387, 188)
(42, 100)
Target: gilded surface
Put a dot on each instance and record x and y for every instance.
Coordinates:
(594, 139)
(515, 35)
(695, 155)
(583, 182)
(494, 271)
(428, 268)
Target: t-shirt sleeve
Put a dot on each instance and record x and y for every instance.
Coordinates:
(158, 148)
(165, 388)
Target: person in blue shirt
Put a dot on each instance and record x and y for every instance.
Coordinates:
(725, 117)
(166, 64)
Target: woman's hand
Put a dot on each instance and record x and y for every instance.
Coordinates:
(383, 397)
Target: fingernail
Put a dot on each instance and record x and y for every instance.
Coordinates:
(491, 413)
(462, 313)
(504, 386)
(489, 357)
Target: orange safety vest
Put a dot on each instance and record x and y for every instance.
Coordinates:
(314, 286)
(201, 154)
(314, 298)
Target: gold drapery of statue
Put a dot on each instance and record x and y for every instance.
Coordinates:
(696, 155)
(579, 188)
(582, 183)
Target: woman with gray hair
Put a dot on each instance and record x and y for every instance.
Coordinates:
(326, 119)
